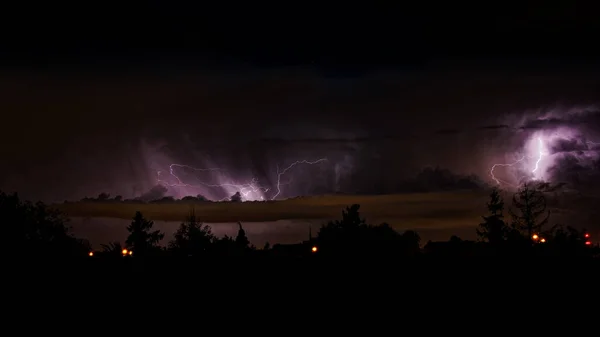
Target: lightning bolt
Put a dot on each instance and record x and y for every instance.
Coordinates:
(245, 189)
(282, 172)
(541, 153)
(539, 157)
(179, 181)
(500, 181)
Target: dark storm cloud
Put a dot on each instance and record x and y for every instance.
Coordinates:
(448, 131)
(439, 179)
(548, 187)
(480, 128)
(337, 140)
(78, 128)
(154, 193)
(452, 131)
(494, 127)
(593, 146)
(537, 124)
(576, 172)
(568, 145)
(589, 117)
(567, 167)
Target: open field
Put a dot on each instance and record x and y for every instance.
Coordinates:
(420, 209)
(436, 216)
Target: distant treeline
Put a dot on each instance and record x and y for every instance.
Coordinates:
(522, 230)
(106, 198)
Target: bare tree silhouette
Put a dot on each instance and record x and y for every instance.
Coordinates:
(531, 213)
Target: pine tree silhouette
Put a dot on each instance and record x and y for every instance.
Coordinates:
(494, 229)
(142, 239)
(241, 239)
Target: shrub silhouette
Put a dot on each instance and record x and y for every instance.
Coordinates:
(192, 238)
(112, 249)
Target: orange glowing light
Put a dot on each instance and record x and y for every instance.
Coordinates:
(124, 251)
(314, 249)
(91, 253)
(587, 235)
(588, 243)
(535, 236)
(543, 240)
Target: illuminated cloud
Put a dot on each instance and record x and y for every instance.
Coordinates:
(555, 143)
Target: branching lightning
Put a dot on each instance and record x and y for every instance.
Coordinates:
(531, 165)
(179, 181)
(245, 189)
(250, 190)
(282, 172)
(500, 181)
(541, 152)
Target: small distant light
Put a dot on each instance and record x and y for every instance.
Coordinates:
(543, 240)
(587, 243)
(314, 249)
(124, 251)
(91, 253)
(130, 252)
(535, 237)
(586, 235)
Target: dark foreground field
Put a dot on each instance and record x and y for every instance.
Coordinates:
(437, 271)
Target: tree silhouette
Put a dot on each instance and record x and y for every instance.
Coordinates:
(237, 197)
(567, 240)
(352, 235)
(494, 229)
(411, 242)
(103, 196)
(142, 239)
(241, 240)
(35, 229)
(192, 238)
(531, 206)
(224, 246)
(342, 236)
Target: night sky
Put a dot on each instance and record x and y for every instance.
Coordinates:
(101, 100)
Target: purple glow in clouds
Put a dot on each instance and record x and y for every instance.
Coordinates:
(250, 190)
(541, 153)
